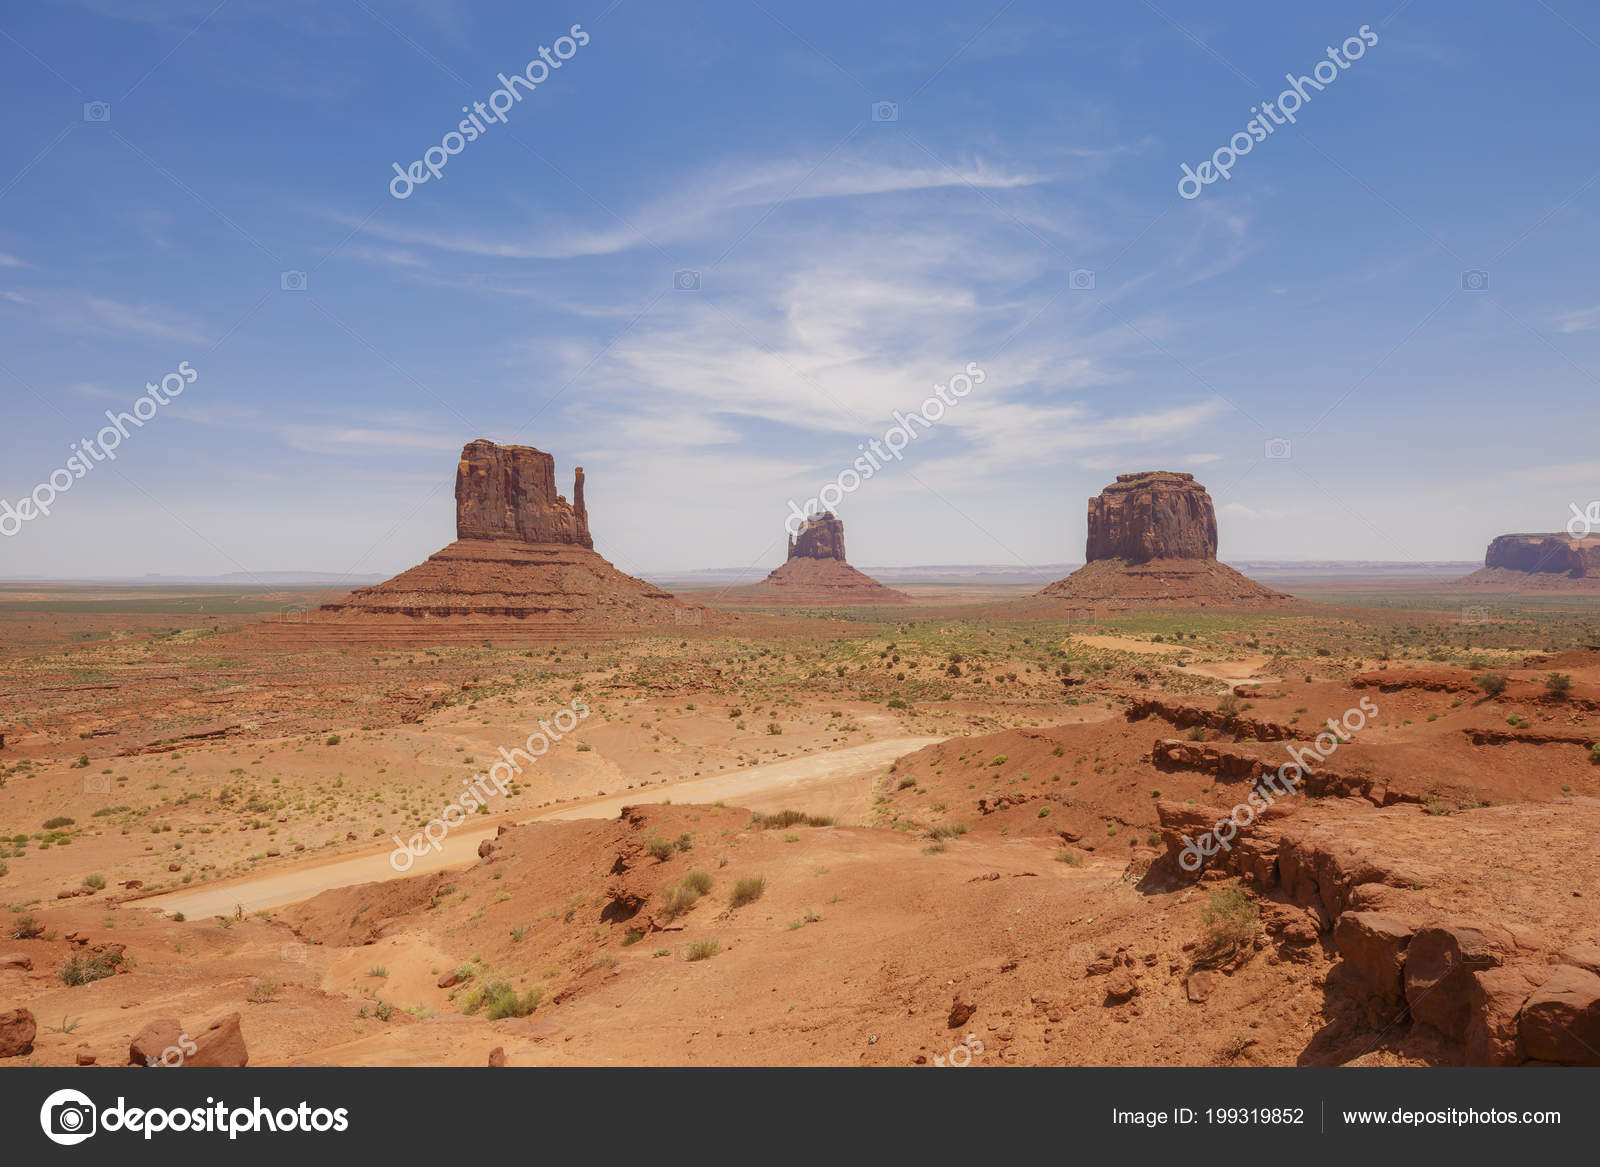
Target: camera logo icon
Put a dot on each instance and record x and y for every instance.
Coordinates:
(292, 953)
(687, 616)
(97, 784)
(292, 281)
(1474, 614)
(686, 281)
(68, 1117)
(1583, 522)
(1278, 449)
(97, 111)
(1476, 280)
(885, 111)
(1080, 279)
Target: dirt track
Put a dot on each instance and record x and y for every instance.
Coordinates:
(820, 783)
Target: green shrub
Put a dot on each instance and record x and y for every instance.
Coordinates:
(501, 1001)
(704, 949)
(1232, 921)
(95, 881)
(26, 928)
(82, 969)
(699, 880)
(678, 898)
(747, 891)
(58, 822)
(789, 818)
(659, 849)
(1559, 684)
(1492, 683)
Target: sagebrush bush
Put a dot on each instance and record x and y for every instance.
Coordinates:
(789, 818)
(1232, 921)
(747, 891)
(82, 969)
(702, 949)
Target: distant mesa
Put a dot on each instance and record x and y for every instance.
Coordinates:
(1539, 562)
(816, 574)
(523, 560)
(1153, 540)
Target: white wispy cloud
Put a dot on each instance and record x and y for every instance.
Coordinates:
(394, 256)
(697, 206)
(1238, 510)
(97, 314)
(335, 439)
(1579, 320)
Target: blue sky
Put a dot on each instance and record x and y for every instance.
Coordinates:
(846, 265)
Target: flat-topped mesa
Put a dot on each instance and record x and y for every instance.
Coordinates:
(1154, 514)
(821, 537)
(1577, 557)
(509, 492)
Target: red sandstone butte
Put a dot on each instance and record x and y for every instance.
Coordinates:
(1153, 540)
(816, 574)
(523, 562)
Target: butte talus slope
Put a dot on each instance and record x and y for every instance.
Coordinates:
(816, 573)
(1153, 540)
(523, 559)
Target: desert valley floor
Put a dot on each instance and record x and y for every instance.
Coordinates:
(889, 835)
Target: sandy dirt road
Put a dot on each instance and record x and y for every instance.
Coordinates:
(829, 782)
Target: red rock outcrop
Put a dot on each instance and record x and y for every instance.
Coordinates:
(17, 1031)
(1424, 936)
(816, 573)
(523, 564)
(820, 538)
(221, 1044)
(1553, 562)
(156, 1041)
(509, 492)
(1153, 541)
(1545, 554)
(1154, 514)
